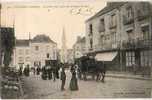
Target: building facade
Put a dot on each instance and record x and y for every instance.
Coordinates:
(124, 28)
(35, 52)
(79, 47)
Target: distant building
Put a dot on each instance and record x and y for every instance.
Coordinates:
(70, 56)
(22, 53)
(79, 47)
(35, 51)
(121, 33)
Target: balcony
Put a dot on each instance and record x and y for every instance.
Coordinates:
(142, 14)
(130, 44)
(128, 20)
(106, 46)
(136, 43)
(142, 43)
(144, 11)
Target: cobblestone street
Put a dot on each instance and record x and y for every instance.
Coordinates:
(35, 88)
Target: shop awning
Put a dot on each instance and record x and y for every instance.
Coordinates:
(106, 56)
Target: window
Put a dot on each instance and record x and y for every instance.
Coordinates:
(27, 59)
(47, 55)
(113, 20)
(113, 37)
(101, 25)
(27, 52)
(20, 51)
(130, 34)
(102, 40)
(129, 12)
(36, 48)
(146, 33)
(21, 60)
(90, 29)
(146, 58)
(91, 43)
(130, 58)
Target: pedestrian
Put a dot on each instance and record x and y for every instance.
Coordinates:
(20, 70)
(44, 73)
(135, 68)
(34, 70)
(49, 71)
(54, 74)
(27, 71)
(63, 79)
(73, 82)
(38, 70)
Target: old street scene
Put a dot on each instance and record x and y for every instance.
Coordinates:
(86, 50)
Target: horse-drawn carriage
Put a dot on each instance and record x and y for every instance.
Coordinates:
(88, 66)
(50, 69)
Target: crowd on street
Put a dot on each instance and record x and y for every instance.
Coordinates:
(52, 73)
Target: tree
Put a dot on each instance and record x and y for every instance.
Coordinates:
(8, 43)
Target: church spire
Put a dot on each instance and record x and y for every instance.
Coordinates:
(64, 48)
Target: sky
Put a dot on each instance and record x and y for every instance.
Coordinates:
(50, 17)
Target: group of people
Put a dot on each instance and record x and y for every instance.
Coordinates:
(73, 82)
(25, 71)
(50, 72)
(53, 73)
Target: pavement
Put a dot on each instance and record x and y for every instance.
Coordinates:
(114, 87)
(127, 75)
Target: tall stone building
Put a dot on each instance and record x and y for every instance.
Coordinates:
(121, 34)
(79, 47)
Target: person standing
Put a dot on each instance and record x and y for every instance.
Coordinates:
(20, 70)
(38, 70)
(27, 71)
(63, 79)
(73, 82)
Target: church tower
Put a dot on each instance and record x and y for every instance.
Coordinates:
(64, 47)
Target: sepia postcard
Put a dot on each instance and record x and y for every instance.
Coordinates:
(75, 49)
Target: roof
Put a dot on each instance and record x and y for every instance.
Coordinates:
(111, 6)
(22, 42)
(42, 38)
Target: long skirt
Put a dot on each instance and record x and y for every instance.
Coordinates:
(73, 84)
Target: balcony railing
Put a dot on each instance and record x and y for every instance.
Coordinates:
(136, 43)
(142, 14)
(130, 44)
(107, 46)
(142, 43)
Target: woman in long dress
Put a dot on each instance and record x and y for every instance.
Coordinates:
(73, 82)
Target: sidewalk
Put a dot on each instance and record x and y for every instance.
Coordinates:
(126, 75)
